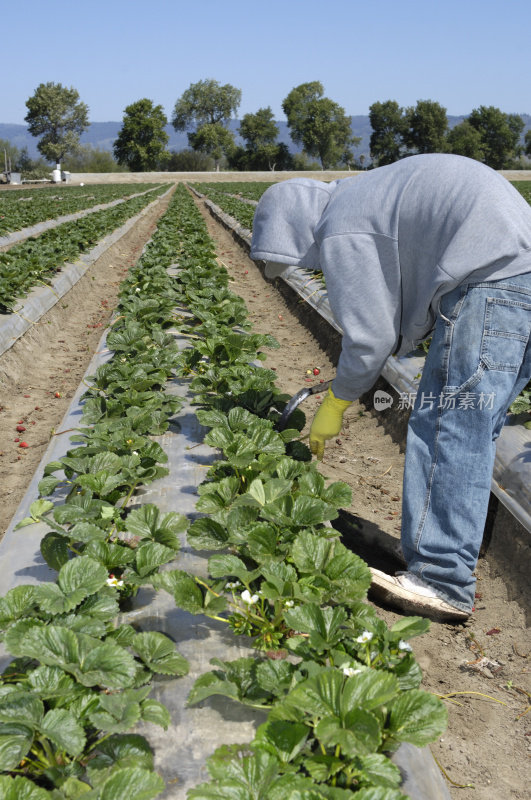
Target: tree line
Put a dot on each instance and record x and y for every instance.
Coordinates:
(317, 124)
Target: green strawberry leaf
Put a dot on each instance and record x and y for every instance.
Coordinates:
(417, 717)
(61, 727)
(133, 783)
(20, 788)
(159, 654)
(15, 742)
(283, 739)
(54, 550)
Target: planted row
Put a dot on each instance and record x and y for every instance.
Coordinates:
(25, 207)
(80, 681)
(239, 209)
(37, 259)
(249, 190)
(349, 692)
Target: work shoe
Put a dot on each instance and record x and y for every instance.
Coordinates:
(414, 596)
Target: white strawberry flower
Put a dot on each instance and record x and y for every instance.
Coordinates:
(365, 637)
(112, 581)
(402, 645)
(350, 671)
(232, 585)
(248, 598)
(289, 603)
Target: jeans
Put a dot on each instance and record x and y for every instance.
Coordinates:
(479, 360)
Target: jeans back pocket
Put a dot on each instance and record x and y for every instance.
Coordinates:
(506, 334)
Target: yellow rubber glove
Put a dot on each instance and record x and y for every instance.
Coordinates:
(327, 422)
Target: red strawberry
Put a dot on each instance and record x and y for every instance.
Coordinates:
(23, 444)
(316, 370)
(20, 428)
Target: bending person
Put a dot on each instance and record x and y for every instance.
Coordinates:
(430, 245)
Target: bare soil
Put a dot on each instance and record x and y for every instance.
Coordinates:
(41, 372)
(488, 741)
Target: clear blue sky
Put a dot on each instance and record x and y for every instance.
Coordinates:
(461, 53)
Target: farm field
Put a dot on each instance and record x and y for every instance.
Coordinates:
(485, 743)
(64, 339)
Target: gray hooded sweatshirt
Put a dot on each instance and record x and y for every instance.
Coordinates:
(390, 243)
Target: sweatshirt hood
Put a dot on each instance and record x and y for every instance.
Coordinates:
(285, 220)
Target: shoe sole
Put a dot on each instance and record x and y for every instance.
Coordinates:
(388, 590)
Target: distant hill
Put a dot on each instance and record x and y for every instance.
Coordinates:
(103, 134)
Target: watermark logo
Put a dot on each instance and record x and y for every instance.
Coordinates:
(462, 401)
(382, 400)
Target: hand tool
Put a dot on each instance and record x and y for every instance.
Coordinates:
(297, 399)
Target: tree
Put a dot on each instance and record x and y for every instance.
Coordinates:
(142, 140)
(57, 115)
(9, 156)
(26, 164)
(319, 124)
(328, 134)
(189, 161)
(528, 142)
(258, 130)
(18, 160)
(205, 109)
(301, 163)
(261, 152)
(295, 107)
(214, 140)
(92, 159)
(465, 140)
(426, 127)
(388, 129)
(268, 157)
(500, 135)
(205, 102)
